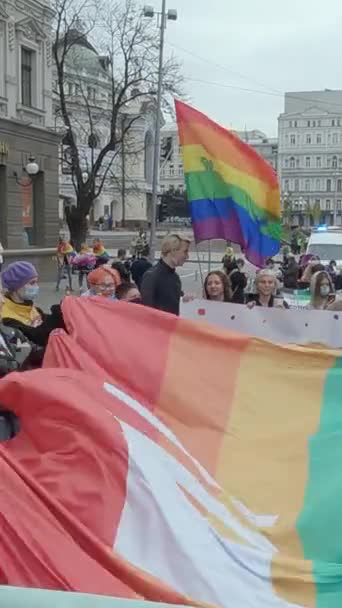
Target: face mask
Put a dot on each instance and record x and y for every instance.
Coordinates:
(29, 292)
(324, 291)
(135, 301)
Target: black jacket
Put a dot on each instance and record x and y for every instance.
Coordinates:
(38, 336)
(161, 288)
(138, 269)
(238, 281)
(291, 274)
(8, 349)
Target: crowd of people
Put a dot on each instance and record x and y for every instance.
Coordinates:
(134, 280)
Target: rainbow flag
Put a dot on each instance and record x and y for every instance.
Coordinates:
(233, 192)
(210, 475)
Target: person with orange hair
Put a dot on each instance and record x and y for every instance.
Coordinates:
(103, 281)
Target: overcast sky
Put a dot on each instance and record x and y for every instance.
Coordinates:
(261, 45)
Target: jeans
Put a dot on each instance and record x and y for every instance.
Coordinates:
(64, 269)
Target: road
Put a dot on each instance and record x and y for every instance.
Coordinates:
(121, 239)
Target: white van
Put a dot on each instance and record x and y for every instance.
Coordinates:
(326, 242)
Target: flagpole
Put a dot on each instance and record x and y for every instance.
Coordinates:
(209, 256)
(200, 266)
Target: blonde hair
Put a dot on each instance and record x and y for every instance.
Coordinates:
(265, 272)
(173, 242)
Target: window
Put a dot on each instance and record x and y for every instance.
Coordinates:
(318, 123)
(180, 187)
(313, 123)
(308, 139)
(91, 94)
(292, 140)
(162, 187)
(307, 185)
(296, 185)
(292, 162)
(286, 185)
(339, 185)
(106, 210)
(318, 185)
(318, 162)
(70, 88)
(308, 162)
(180, 170)
(334, 162)
(286, 164)
(327, 205)
(338, 122)
(329, 138)
(26, 76)
(340, 162)
(77, 90)
(309, 124)
(297, 163)
(328, 185)
(332, 123)
(335, 138)
(338, 205)
(172, 170)
(318, 138)
(290, 124)
(328, 162)
(295, 123)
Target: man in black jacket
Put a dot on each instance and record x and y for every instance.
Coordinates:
(161, 286)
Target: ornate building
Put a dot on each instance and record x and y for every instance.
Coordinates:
(28, 203)
(127, 187)
(310, 156)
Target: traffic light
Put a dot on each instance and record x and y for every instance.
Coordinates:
(163, 210)
(166, 149)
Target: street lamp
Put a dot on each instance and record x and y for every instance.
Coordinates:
(31, 169)
(170, 15)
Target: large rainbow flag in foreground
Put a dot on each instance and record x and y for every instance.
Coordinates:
(166, 460)
(233, 192)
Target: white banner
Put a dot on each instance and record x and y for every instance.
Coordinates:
(283, 326)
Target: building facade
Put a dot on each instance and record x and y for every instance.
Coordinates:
(310, 156)
(171, 161)
(28, 205)
(126, 193)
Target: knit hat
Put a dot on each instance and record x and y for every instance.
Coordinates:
(97, 276)
(17, 274)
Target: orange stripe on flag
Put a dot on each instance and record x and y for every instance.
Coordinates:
(198, 413)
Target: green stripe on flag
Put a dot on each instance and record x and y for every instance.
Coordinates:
(209, 184)
(320, 523)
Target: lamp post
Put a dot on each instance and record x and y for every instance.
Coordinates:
(171, 14)
(31, 169)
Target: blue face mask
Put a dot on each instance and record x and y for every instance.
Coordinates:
(29, 292)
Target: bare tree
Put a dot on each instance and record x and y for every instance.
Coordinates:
(128, 56)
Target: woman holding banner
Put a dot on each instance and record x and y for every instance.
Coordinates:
(322, 291)
(266, 287)
(217, 287)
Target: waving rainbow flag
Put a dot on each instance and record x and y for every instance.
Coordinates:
(233, 192)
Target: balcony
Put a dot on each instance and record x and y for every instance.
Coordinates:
(31, 115)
